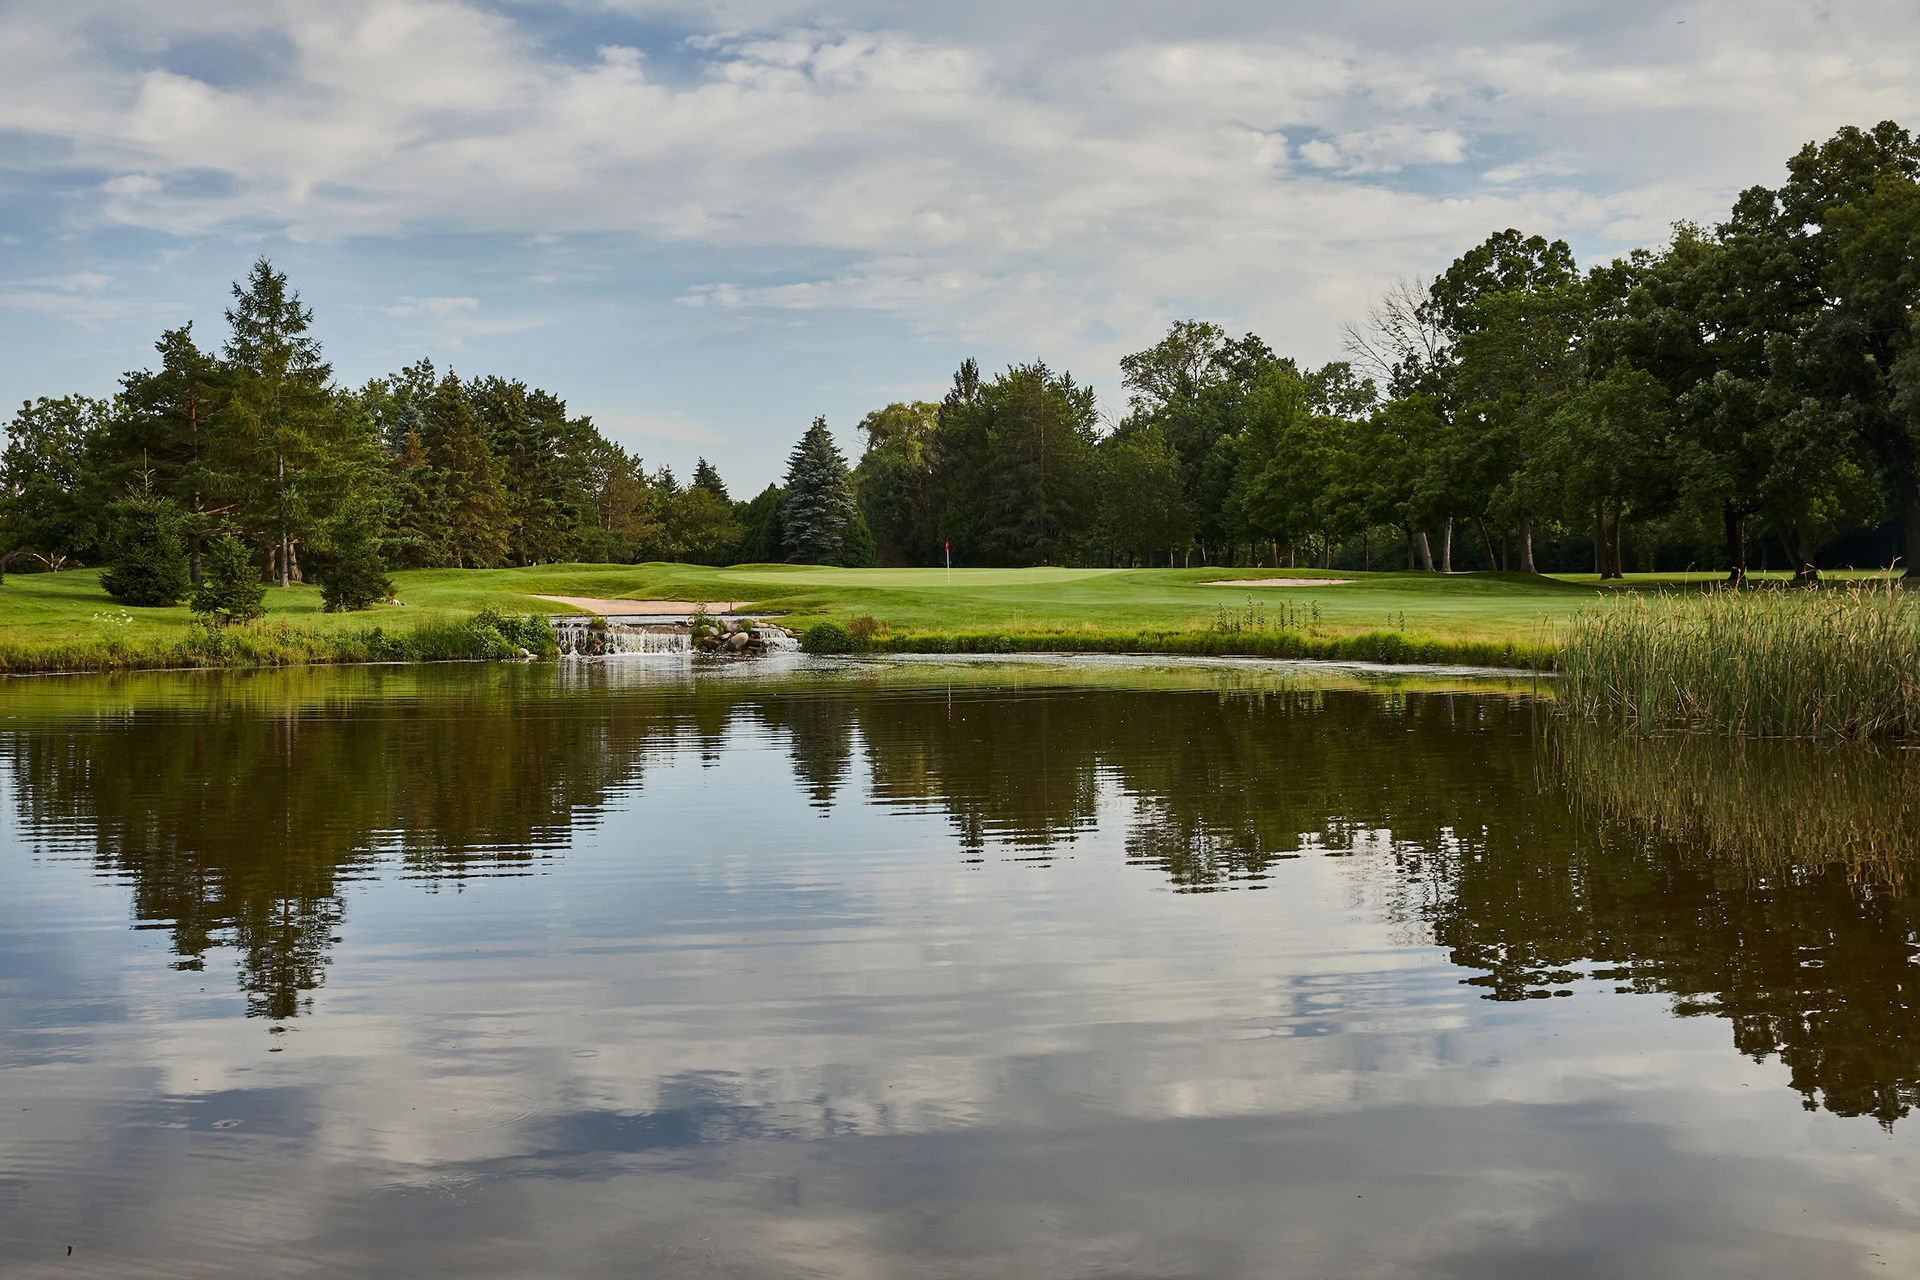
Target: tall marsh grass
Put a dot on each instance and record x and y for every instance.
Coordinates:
(1839, 662)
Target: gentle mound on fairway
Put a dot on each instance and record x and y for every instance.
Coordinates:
(641, 608)
(1281, 582)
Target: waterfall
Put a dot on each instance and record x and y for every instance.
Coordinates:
(647, 642)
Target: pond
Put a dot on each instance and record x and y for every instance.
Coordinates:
(849, 968)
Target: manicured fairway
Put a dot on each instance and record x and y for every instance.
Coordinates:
(61, 608)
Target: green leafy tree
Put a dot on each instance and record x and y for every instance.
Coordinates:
(44, 478)
(1143, 504)
(1016, 465)
(230, 589)
(895, 483)
(701, 526)
(762, 537)
(819, 501)
(624, 506)
(857, 550)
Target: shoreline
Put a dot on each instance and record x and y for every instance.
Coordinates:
(479, 639)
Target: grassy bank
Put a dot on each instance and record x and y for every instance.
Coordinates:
(1387, 647)
(487, 634)
(66, 621)
(1835, 663)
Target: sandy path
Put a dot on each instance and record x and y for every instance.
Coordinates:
(1282, 582)
(642, 608)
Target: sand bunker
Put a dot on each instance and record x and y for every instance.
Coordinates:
(1281, 582)
(642, 608)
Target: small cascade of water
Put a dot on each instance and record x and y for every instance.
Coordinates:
(648, 642)
(778, 639)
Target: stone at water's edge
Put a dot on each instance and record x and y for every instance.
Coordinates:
(736, 637)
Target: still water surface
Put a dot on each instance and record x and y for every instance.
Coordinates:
(914, 969)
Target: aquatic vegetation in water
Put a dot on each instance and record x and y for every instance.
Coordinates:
(1829, 663)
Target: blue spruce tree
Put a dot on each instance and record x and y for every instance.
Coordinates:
(819, 503)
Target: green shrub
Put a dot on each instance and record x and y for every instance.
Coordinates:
(357, 577)
(146, 556)
(230, 588)
(493, 634)
(828, 637)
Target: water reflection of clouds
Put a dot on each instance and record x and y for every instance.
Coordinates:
(749, 1037)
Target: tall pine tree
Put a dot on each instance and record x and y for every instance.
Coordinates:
(476, 495)
(819, 502)
(168, 425)
(280, 406)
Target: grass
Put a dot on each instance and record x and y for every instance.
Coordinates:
(117, 639)
(65, 621)
(1835, 663)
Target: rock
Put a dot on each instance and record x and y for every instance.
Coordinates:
(737, 641)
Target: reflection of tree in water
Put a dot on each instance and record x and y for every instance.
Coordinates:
(1012, 767)
(1760, 882)
(237, 823)
(820, 741)
(1779, 909)
(1701, 870)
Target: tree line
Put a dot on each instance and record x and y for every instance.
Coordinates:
(252, 455)
(1749, 390)
(1746, 396)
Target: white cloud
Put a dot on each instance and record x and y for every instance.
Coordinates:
(410, 306)
(973, 176)
(1386, 149)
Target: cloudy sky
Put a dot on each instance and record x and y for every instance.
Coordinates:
(705, 224)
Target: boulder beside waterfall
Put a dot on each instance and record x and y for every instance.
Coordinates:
(728, 637)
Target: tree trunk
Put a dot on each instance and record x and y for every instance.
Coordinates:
(1799, 556)
(1274, 547)
(1426, 550)
(1526, 547)
(1326, 550)
(1736, 546)
(193, 559)
(1446, 548)
(286, 543)
(1909, 491)
(1486, 541)
(1600, 539)
(1366, 552)
(1620, 542)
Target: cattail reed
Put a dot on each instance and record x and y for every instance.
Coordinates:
(1840, 662)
